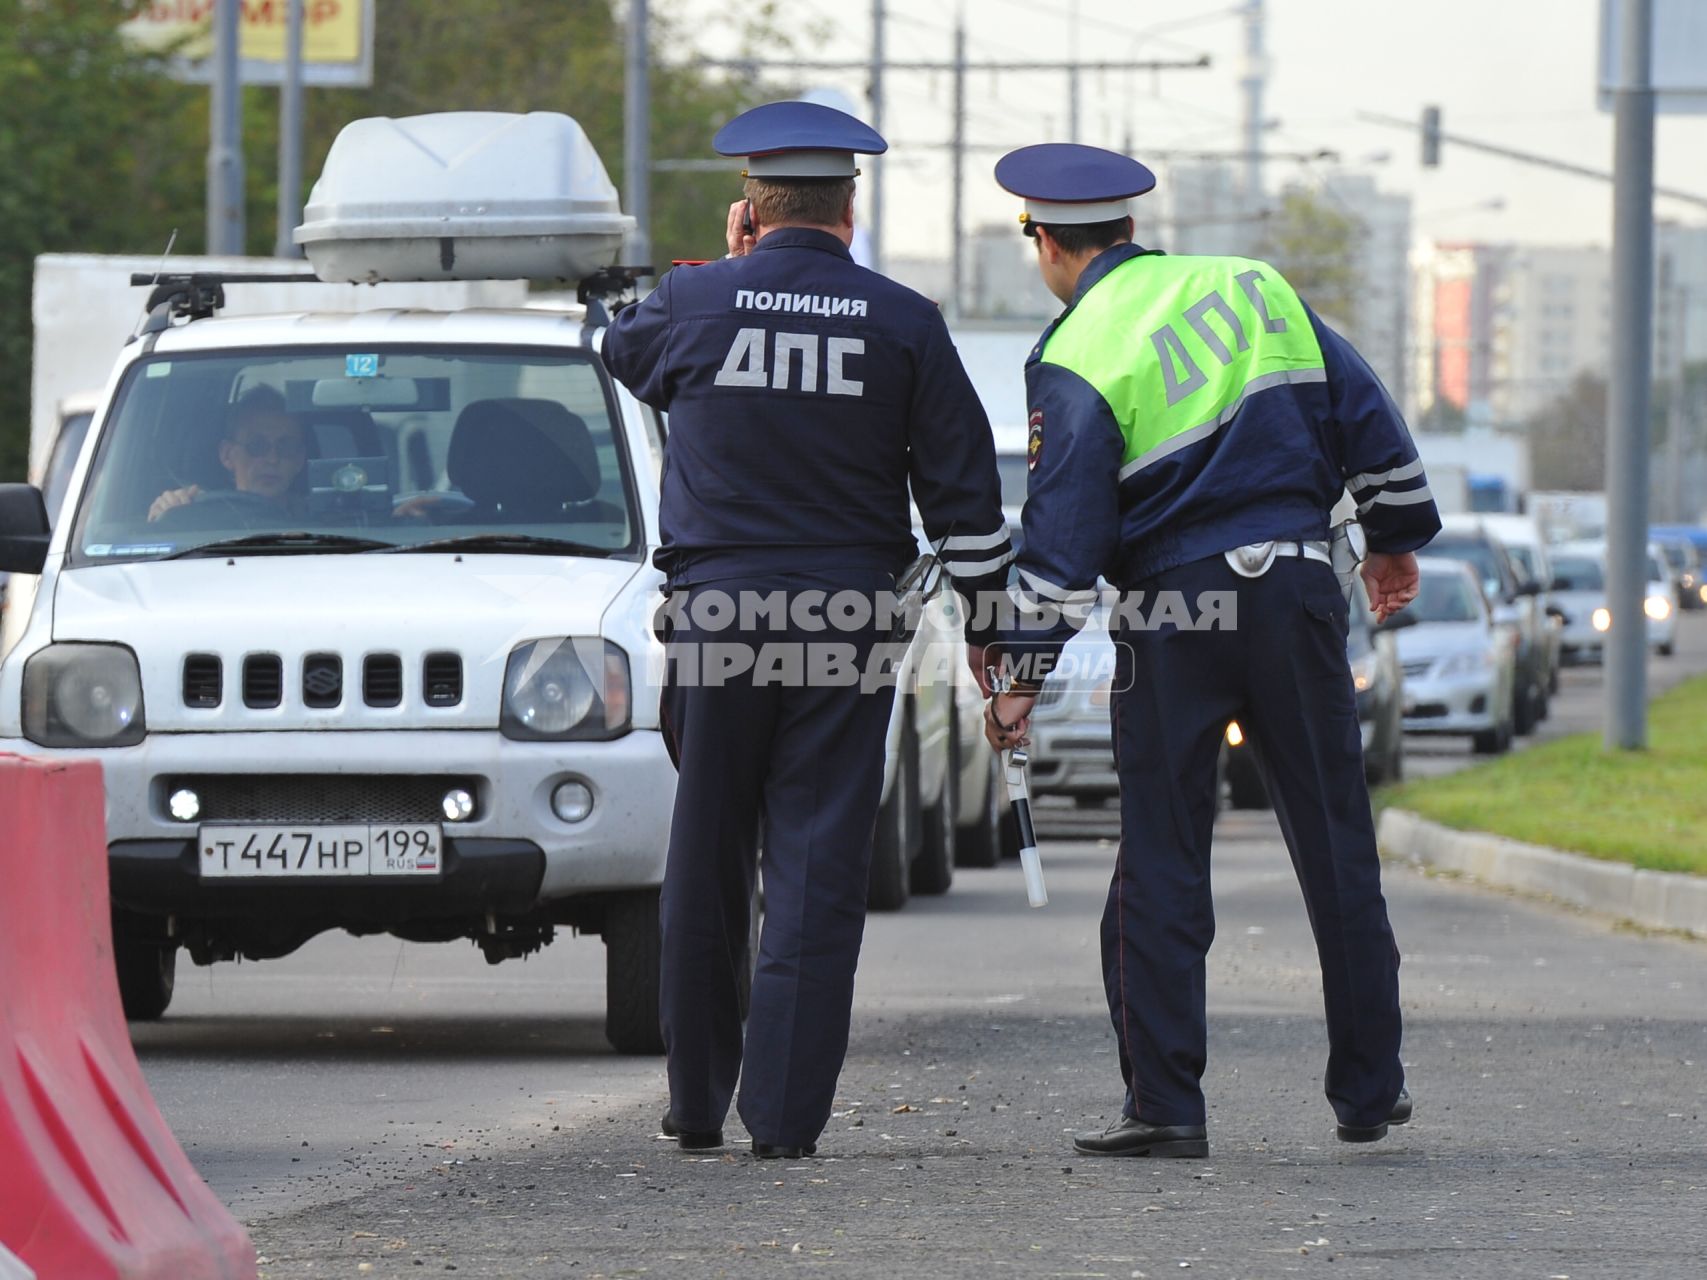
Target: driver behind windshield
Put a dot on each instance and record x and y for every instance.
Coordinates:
(263, 448)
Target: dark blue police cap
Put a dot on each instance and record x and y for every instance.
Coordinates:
(1066, 183)
(798, 140)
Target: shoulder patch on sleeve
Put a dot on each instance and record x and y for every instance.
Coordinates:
(1034, 440)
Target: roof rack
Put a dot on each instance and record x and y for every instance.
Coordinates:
(198, 295)
(618, 286)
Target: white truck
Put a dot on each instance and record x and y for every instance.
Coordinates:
(356, 607)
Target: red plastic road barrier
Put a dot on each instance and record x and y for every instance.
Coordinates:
(92, 1182)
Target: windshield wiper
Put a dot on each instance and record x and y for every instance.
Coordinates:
(263, 542)
(520, 543)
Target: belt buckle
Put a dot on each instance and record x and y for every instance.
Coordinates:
(1253, 559)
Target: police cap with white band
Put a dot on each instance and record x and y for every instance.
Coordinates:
(1066, 184)
(786, 140)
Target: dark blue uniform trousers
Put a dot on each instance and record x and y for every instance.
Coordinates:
(805, 766)
(1281, 671)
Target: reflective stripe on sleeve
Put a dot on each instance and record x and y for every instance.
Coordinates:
(976, 542)
(1387, 498)
(1410, 471)
(978, 568)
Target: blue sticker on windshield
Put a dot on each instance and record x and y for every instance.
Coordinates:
(366, 366)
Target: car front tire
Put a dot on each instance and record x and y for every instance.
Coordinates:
(633, 959)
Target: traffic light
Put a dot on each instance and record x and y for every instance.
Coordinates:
(1431, 137)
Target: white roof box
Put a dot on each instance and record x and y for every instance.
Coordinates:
(462, 195)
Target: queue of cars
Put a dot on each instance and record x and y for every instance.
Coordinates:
(1477, 655)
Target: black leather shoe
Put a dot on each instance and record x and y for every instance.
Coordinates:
(1401, 1114)
(1129, 1137)
(690, 1139)
(772, 1151)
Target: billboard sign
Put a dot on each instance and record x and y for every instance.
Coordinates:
(337, 39)
(1679, 59)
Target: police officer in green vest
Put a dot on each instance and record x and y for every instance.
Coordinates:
(1192, 423)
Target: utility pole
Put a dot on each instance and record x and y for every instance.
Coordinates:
(1073, 74)
(1676, 414)
(1632, 373)
(1256, 70)
(958, 172)
(875, 231)
(637, 136)
(225, 232)
(290, 135)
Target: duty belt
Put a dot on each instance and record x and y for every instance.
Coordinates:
(1254, 559)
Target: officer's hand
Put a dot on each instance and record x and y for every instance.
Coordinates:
(1391, 581)
(173, 498)
(1007, 720)
(739, 242)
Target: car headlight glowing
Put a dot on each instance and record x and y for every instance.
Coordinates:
(1235, 735)
(1601, 619)
(566, 689)
(83, 695)
(1657, 607)
(1363, 673)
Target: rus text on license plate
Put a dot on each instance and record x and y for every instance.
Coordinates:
(311, 852)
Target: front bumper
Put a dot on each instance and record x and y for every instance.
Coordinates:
(620, 845)
(162, 878)
(1452, 704)
(1072, 753)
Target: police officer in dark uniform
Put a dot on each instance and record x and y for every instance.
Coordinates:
(1192, 424)
(805, 395)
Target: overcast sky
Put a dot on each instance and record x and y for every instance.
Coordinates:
(1520, 73)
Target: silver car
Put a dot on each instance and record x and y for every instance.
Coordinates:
(1459, 663)
(1072, 750)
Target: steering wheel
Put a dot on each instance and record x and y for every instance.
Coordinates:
(213, 508)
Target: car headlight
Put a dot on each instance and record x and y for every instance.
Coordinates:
(1235, 735)
(566, 689)
(1465, 664)
(83, 695)
(1601, 619)
(1657, 607)
(1363, 673)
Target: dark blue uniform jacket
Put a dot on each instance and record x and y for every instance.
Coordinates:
(1272, 467)
(805, 393)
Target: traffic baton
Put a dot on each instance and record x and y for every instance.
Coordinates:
(1019, 793)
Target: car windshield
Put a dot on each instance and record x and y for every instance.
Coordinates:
(1578, 573)
(1481, 558)
(1674, 555)
(1445, 597)
(1656, 570)
(305, 449)
(1527, 562)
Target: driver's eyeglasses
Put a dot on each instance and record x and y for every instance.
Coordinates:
(284, 448)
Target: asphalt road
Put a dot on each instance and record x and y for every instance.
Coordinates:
(370, 1107)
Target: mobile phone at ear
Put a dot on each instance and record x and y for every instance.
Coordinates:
(747, 218)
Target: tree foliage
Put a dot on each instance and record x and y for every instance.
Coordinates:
(105, 154)
(1568, 438)
(1315, 245)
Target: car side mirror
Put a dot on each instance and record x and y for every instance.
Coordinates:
(24, 529)
(1399, 621)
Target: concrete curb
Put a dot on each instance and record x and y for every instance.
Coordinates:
(1653, 899)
